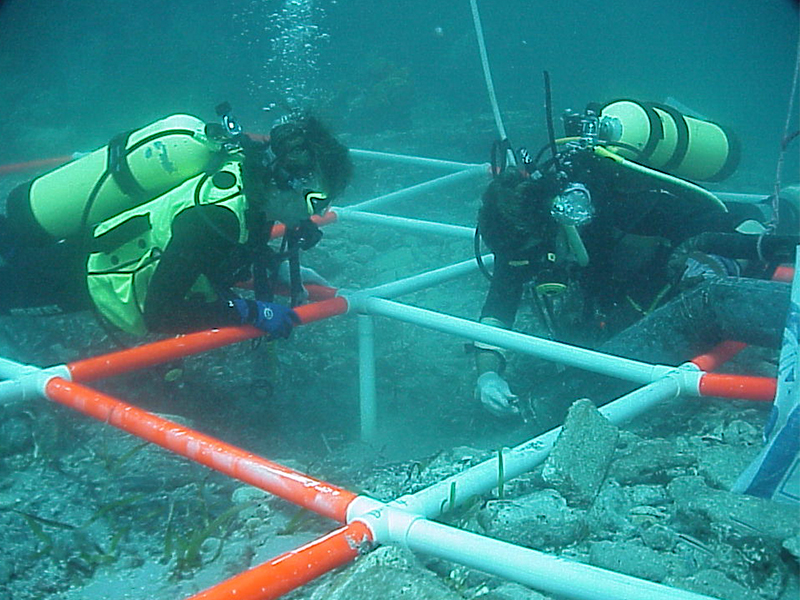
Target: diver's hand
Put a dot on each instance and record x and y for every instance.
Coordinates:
(495, 395)
(689, 268)
(274, 319)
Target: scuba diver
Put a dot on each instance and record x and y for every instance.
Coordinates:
(600, 219)
(154, 230)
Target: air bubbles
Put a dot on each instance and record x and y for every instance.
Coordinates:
(285, 37)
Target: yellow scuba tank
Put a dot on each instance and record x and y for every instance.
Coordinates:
(663, 138)
(132, 169)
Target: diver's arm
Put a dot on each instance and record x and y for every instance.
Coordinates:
(202, 239)
(771, 248)
(500, 308)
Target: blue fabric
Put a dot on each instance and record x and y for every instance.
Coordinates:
(775, 473)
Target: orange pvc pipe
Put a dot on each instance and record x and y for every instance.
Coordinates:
(163, 351)
(320, 292)
(295, 568)
(315, 292)
(316, 311)
(159, 352)
(720, 354)
(743, 387)
(298, 488)
(34, 164)
(279, 229)
(783, 273)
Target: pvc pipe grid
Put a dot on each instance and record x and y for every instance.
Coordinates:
(405, 520)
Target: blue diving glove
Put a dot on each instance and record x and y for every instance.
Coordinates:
(275, 319)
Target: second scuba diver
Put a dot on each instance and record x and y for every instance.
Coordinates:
(154, 230)
(627, 237)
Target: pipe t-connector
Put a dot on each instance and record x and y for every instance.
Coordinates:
(389, 525)
(688, 376)
(31, 384)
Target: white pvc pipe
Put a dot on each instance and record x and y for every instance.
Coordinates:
(424, 188)
(550, 574)
(482, 478)
(589, 360)
(366, 374)
(10, 369)
(415, 225)
(447, 165)
(416, 282)
(742, 198)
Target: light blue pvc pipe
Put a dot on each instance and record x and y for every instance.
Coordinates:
(10, 369)
(366, 377)
(573, 356)
(742, 198)
(424, 188)
(554, 575)
(447, 165)
(415, 225)
(419, 282)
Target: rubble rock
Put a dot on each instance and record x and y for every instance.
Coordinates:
(715, 584)
(632, 559)
(539, 520)
(511, 591)
(578, 464)
(792, 546)
(703, 507)
(608, 516)
(392, 572)
(651, 461)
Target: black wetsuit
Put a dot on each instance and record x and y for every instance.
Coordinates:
(49, 277)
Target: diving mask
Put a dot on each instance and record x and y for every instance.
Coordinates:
(573, 206)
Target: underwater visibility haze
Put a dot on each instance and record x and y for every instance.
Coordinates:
(87, 511)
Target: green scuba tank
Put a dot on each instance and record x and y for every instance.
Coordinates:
(661, 137)
(132, 169)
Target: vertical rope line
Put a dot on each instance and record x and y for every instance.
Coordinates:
(784, 142)
(487, 74)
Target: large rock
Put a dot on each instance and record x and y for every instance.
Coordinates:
(511, 591)
(632, 559)
(652, 461)
(704, 507)
(388, 573)
(715, 584)
(579, 462)
(540, 520)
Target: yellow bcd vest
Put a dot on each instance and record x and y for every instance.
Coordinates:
(126, 248)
